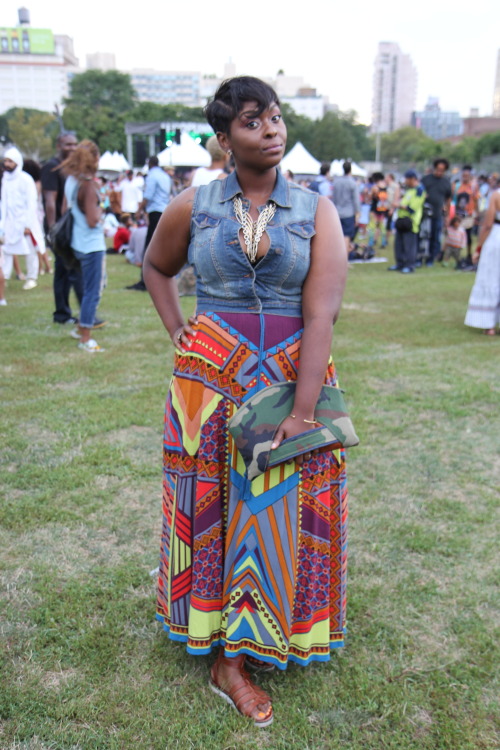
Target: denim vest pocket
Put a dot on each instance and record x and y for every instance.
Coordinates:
(300, 233)
(205, 233)
(303, 229)
(204, 220)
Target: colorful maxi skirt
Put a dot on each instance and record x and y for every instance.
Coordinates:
(257, 567)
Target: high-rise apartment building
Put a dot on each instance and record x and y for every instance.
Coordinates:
(394, 89)
(496, 93)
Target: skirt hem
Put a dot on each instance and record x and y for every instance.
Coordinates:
(217, 642)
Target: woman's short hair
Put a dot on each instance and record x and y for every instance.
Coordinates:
(83, 161)
(231, 96)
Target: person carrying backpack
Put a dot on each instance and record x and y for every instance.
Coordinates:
(322, 184)
(379, 211)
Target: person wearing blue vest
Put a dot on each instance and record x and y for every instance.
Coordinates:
(237, 555)
(81, 193)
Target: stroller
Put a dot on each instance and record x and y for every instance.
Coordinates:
(424, 235)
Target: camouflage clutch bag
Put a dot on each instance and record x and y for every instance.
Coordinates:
(256, 422)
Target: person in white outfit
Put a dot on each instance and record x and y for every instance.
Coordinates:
(19, 222)
(483, 310)
(204, 175)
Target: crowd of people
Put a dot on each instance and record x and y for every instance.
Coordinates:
(438, 205)
(432, 219)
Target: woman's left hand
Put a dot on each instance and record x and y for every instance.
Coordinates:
(290, 427)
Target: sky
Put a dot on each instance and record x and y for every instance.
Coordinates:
(453, 43)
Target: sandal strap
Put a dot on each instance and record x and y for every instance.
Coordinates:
(246, 696)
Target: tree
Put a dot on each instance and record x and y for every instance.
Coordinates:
(299, 128)
(98, 125)
(99, 104)
(408, 145)
(32, 131)
(336, 136)
(98, 88)
(332, 139)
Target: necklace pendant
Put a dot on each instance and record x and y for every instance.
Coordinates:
(253, 230)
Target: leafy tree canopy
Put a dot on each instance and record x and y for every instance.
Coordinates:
(97, 88)
(34, 132)
(336, 136)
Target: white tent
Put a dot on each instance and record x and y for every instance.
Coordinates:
(107, 162)
(300, 161)
(121, 161)
(336, 169)
(186, 154)
(113, 162)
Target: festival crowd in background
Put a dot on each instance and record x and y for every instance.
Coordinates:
(433, 219)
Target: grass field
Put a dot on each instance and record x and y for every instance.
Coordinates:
(85, 665)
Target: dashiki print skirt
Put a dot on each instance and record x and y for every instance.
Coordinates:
(256, 567)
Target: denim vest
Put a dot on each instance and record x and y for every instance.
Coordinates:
(85, 239)
(226, 281)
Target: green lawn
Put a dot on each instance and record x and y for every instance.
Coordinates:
(85, 665)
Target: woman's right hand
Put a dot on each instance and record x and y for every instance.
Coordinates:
(290, 427)
(180, 339)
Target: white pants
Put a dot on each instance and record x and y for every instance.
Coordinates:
(31, 265)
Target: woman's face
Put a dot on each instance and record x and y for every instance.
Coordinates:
(257, 141)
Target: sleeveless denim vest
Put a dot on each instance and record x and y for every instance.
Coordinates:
(226, 281)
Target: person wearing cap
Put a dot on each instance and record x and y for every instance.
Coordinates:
(410, 210)
(19, 222)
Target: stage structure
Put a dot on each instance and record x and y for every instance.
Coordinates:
(150, 138)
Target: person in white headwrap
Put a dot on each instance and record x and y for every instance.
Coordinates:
(19, 222)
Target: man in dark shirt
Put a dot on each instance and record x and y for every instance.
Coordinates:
(438, 189)
(53, 195)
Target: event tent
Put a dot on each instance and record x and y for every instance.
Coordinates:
(113, 162)
(186, 154)
(300, 161)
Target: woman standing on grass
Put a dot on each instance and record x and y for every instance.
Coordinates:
(81, 193)
(483, 310)
(257, 570)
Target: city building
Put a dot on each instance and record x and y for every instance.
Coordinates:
(34, 66)
(437, 124)
(167, 87)
(394, 89)
(476, 126)
(308, 103)
(496, 93)
(101, 61)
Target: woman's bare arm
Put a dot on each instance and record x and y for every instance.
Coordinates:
(489, 218)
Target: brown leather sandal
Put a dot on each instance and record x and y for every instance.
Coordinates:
(256, 665)
(250, 700)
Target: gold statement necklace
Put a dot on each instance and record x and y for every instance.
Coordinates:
(253, 230)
